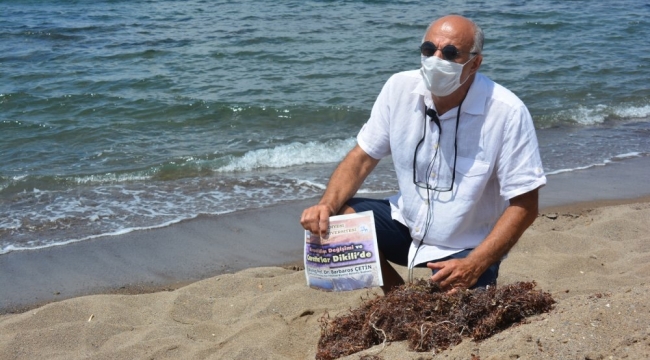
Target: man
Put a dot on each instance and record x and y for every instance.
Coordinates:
(466, 159)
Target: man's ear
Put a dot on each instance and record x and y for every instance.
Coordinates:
(476, 64)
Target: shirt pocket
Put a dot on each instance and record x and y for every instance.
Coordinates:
(471, 177)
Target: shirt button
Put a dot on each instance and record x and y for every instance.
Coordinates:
(417, 229)
(433, 175)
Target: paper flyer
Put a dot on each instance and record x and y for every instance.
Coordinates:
(346, 257)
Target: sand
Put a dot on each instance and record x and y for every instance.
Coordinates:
(593, 257)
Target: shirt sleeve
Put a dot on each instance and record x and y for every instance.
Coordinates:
(519, 166)
(374, 136)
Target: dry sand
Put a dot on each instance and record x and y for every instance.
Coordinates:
(595, 260)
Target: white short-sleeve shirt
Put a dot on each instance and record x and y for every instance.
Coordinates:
(497, 159)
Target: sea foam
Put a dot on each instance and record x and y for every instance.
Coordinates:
(291, 155)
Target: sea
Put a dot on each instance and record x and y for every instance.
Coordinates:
(120, 116)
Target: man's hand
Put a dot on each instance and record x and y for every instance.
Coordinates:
(344, 183)
(455, 274)
(316, 219)
(464, 273)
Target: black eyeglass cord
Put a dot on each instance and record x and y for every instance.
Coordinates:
(429, 219)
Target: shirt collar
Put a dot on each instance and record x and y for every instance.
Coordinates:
(421, 90)
(475, 100)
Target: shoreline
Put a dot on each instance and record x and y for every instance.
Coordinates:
(169, 258)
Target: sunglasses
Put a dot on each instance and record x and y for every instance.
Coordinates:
(449, 52)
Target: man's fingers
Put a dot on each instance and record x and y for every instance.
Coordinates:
(452, 291)
(306, 220)
(323, 224)
(323, 220)
(309, 221)
(443, 275)
(316, 219)
(450, 284)
(436, 265)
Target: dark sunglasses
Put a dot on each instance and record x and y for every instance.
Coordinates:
(449, 52)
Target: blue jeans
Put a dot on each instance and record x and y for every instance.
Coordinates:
(394, 239)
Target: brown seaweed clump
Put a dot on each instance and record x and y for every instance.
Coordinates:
(429, 319)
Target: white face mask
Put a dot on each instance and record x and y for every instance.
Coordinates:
(441, 77)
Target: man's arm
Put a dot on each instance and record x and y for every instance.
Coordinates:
(343, 184)
(463, 273)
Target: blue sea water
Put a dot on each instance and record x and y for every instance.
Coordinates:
(125, 115)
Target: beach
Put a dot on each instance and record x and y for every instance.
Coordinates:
(155, 159)
(231, 287)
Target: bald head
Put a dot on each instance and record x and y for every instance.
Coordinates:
(457, 30)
